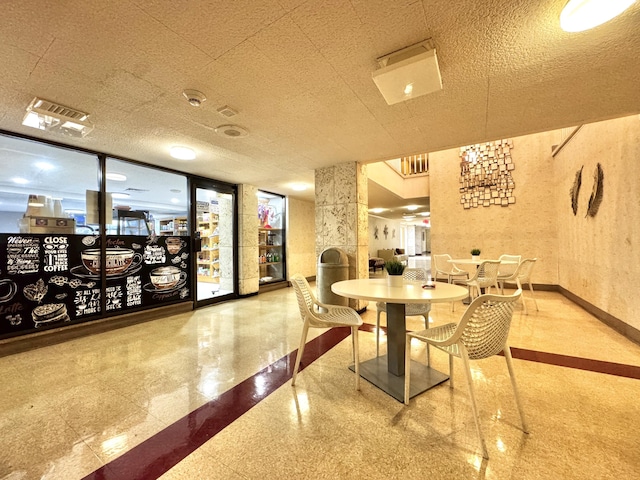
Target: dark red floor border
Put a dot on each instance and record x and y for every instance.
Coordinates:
(158, 454)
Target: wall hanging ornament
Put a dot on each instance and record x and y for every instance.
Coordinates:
(596, 194)
(575, 190)
(375, 232)
(485, 174)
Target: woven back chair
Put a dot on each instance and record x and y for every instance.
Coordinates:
(522, 276)
(411, 309)
(508, 269)
(486, 276)
(481, 333)
(443, 268)
(320, 315)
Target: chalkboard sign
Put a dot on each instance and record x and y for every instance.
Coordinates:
(49, 281)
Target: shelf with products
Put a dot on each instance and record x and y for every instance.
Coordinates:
(176, 226)
(271, 240)
(209, 255)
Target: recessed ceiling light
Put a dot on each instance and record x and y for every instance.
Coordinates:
(175, 200)
(120, 195)
(377, 210)
(116, 177)
(579, 15)
(412, 208)
(20, 180)
(299, 187)
(183, 153)
(426, 214)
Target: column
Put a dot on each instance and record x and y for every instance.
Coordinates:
(342, 216)
(248, 278)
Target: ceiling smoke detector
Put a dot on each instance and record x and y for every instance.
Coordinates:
(194, 97)
(231, 131)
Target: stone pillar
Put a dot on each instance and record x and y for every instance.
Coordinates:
(248, 275)
(342, 216)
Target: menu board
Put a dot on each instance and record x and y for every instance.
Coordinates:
(48, 281)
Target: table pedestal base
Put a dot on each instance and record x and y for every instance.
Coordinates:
(422, 377)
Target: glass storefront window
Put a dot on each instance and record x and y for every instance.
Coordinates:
(39, 181)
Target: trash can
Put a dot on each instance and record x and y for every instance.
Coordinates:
(333, 266)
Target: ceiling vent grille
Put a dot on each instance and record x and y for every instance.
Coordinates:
(50, 116)
(227, 111)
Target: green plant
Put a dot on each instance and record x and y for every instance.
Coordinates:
(394, 267)
(475, 251)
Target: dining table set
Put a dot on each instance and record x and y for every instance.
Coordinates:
(387, 371)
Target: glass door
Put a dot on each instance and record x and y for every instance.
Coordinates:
(215, 254)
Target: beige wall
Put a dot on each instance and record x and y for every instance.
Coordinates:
(391, 241)
(599, 257)
(527, 228)
(248, 275)
(301, 237)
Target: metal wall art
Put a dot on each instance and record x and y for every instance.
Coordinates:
(485, 174)
(596, 192)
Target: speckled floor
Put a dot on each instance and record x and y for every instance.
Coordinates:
(72, 409)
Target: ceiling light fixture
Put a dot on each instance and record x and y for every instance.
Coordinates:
(120, 195)
(52, 117)
(412, 208)
(116, 177)
(194, 97)
(377, 210)
(298, 187)
(579, 15)
(182, 153)
(408, 216)
(408, 73)
(44, 166)
(20, 180)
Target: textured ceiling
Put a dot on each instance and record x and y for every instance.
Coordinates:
(299, 74)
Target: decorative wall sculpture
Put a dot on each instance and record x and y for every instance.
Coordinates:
(596, 194)
(575, 190)
(485, 174)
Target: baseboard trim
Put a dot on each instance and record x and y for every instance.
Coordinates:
(54, 336)
(618, 325)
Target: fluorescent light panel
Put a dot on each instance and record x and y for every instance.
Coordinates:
(579, 15)
(45, 115)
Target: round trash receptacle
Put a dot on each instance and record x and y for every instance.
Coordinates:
(333, 266)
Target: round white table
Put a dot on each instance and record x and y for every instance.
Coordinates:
(390, 377)
(477, 262)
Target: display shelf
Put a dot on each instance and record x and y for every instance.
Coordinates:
(176, 226)
(271, 239)
(209, 255)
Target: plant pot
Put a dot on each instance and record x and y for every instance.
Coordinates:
(475, 257)
(395, 280)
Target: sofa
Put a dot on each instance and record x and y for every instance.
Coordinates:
(389, 254)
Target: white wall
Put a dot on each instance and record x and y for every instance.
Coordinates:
(391, 240)
(599, 257)
(301, 228)
(528, 227)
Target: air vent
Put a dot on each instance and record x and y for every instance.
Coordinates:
(60, 110)
(227, 111)
(231, 131)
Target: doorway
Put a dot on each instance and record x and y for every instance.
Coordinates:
(214, 208)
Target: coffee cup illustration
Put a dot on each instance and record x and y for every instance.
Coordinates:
(8, 289)
(164, 278)
(174, 245)
(119, 260)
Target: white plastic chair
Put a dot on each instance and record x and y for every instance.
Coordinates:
(411, 309)
(522, 276)
(330, 316)
(508, 269)
(481, 333)
(486, 276)
(443, 268)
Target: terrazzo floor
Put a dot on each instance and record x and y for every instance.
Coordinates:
(207, 395)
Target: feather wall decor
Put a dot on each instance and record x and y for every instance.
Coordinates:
(575, 190)
(596, 194)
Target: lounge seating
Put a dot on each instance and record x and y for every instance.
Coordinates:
(376, 262)
(391, 254)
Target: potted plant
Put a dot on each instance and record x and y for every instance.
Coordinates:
(394, 270)
(475, 253)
